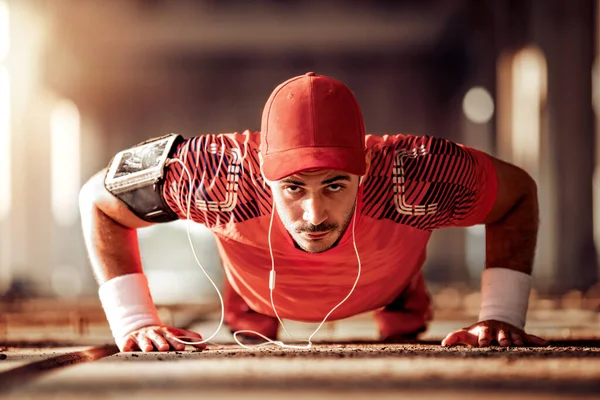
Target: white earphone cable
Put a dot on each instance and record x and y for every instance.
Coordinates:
(272, 277)
(189, 222)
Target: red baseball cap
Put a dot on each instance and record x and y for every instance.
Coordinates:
(312, 121)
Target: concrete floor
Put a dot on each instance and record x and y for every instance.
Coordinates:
(51, 361)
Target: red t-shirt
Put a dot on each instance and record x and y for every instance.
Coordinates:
(414, 185)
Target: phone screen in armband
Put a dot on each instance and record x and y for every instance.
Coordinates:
(135, 176)
(139, 166)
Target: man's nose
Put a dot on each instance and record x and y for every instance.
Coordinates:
(314, 211)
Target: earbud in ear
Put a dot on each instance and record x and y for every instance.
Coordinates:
(260, 165)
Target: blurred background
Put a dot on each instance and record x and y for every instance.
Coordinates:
(82, 79)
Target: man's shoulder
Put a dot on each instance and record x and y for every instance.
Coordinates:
(242, 145)
(409, 144)
(377, 142)
(246, 137)
(228, 186)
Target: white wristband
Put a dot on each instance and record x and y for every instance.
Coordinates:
(505, 296)
(128, 305)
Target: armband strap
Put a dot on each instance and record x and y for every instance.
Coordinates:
(128, 305)
(505, 296)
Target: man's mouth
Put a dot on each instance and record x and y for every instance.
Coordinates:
(316, 235)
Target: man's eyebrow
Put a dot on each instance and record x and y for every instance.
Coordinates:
(335, 179)
(291, 181)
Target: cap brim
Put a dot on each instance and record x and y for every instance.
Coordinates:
(283, 164)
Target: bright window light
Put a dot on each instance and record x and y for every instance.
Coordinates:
(596, 180)
(66, 281)
(4, 30)
(529, 91)
(475, 250)
(65, 165)
(596, 209)
(478, 105)
(5, 173)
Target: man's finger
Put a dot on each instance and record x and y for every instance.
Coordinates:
(143, 342)
(158, 340)
(517, 338)
(503, 339)
(450, 339)
(485, 336)
(129, 345)
(171, 334)
(188, 336)
(175, 344)
(536, 341)
(460, 337)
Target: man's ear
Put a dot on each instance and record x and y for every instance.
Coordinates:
(260, 163)
(368, 153)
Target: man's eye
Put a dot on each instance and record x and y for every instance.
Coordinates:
(335, 187)
(293, 189)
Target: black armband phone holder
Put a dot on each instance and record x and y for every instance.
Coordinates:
(136, 177)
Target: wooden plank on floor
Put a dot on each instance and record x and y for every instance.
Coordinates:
(17, 377)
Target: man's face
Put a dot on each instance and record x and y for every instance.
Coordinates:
(316, 206)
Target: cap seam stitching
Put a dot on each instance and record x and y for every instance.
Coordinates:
(360, 121)
(312, 109)
(271, 106)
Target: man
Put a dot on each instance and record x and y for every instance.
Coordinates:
(314, 199)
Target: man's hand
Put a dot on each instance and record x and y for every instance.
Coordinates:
(485, 333)
(159, 338)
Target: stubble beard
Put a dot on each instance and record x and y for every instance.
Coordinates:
(309, 228)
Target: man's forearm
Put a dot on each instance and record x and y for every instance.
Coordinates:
(109, 230)
(115, 257)
(113, 248)
(511, 241)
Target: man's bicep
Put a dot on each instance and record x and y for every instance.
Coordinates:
(443, 183)
(94, 194)
(513, 184)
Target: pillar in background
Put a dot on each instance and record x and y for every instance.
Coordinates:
(546, 125)
(565, 32)
(29, 254)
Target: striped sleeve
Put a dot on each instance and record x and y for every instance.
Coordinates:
(439, 183)
(216, 179)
